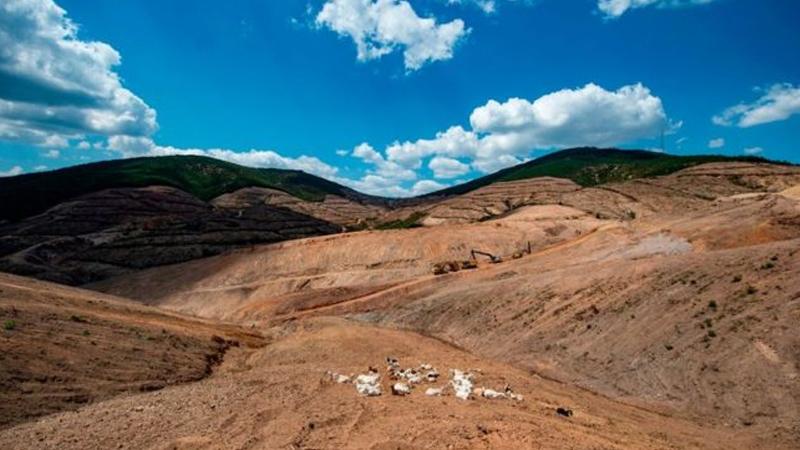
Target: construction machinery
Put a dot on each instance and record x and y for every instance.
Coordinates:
(492, 258)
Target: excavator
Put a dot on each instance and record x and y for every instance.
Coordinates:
(492, 258)
(472, 263)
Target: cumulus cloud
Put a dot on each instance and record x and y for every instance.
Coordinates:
(503, 133)
(489, 165)
(16, 170)
(716, 143)
(778, 102)
(753, 150)
(426, 186)
(386, 178)
(379, 27)
(383, 173)
(378, 185)
(444, 167)
(616, 8)
(54, 86)
(128, 146)
(572, 117)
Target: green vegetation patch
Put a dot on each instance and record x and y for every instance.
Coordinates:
(205, 178)
(411, 221)
(592, 167)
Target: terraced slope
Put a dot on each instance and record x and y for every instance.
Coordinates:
(202, 177)
(118, 231)
(114, 217)
(589, 166)
(685, 190)
(685, 308)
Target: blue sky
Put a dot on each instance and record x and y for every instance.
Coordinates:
(441, 91)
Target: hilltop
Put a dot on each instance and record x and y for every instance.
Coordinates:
(85, 223)
(202, 177)
(590, 166)
(207, 178)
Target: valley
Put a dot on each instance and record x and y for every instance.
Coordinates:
(660, 309)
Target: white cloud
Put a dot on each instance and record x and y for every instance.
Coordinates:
(454, 142)
(426, 186)
(390, 170)
(489, 165)
(128, 146)
(52, 154)
(367, 153)
(716, 143)
(444, 167)
(753, 150)
(377, 185)
(378, 27)
(487, 6)
(616, 8)
(83, 145)
(386, 178)
(16, 170)
(54, 86)
(503, 134)
(571, 117)
(779, 102)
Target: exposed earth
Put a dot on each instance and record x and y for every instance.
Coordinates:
(653, 313)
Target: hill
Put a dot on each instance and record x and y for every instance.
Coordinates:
(683, 309)
(589, 166)
(205, 178)
(86, 223)
(62, 348)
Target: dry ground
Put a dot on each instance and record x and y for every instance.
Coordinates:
(278, 397)
(663, 312)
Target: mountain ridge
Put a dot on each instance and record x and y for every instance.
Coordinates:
(206, 178)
